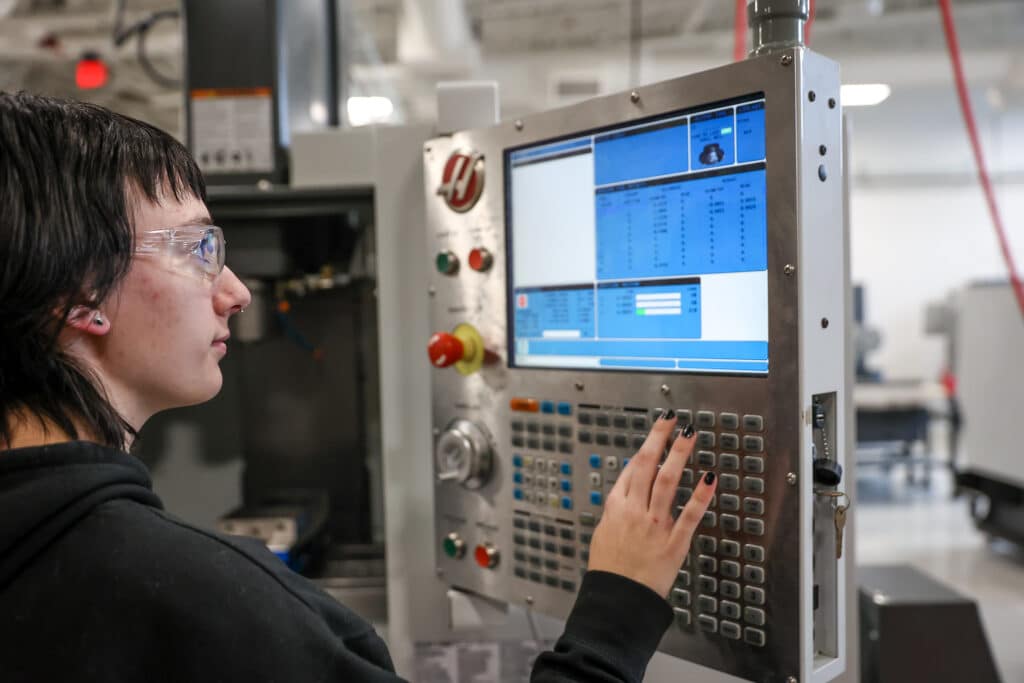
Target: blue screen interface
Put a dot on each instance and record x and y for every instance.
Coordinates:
(643, 246)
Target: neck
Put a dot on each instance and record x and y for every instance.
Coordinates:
(29, 431)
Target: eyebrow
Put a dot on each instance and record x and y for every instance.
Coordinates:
(201, 219)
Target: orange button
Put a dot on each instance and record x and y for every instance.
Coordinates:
(525, 405)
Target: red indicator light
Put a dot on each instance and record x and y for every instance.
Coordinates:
(91, 72)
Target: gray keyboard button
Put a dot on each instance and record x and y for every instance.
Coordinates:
(753, 465)
(687, 479)
(639, 423)
(547, 428)
(706, 623)
(706, 439)
(706, 459)
(730, 629)
(753, 423)
(730, 441)
(753, 444)
(729, 461)
(752, 484)
(729, 482)
(707, 564)
(709, 520)
(602, 439)
(683, 618)
(565, 431)
(753, 616)
(753, 596)
(752, 574)
(729, 503)
(730, 548)
(602, 420)
(683, 495)
(754, 636)
(752, 526)
(729, 610)
(533, 444)
(753, 506)
(707, 604)
(708, 585)
(683, 578)
(680, 597)
(730, 590)
(705, 419)
(638, 441)
(707, 544)
(730, 523)
(730, 569)
(585, 418)
(532, 427)
(684, 417)
(621, 441)
(620, 421)
(753, 553)
(729, 420)
(585, 436)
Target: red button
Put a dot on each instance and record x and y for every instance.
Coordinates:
(445, 349)
(480, 259)
(486, 556)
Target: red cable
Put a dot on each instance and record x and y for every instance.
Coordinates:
(739, 32)
(807, 27)
(979, 160)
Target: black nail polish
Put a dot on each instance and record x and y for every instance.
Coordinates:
(688, 431)
(709, 478)
(668, 414)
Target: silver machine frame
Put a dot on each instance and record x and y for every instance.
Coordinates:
(806, 584)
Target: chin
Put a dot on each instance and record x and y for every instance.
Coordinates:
(203, 390)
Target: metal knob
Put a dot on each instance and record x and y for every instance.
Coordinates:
(464, 454)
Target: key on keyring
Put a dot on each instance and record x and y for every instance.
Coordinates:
(840, 519)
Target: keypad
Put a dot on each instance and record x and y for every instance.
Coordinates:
(721, 586)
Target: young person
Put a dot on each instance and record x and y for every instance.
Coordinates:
(114, 302)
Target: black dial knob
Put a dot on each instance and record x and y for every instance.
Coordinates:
(827, 472)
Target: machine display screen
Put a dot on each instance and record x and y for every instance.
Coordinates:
(643, 246)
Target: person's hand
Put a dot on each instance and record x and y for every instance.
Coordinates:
(638, 537)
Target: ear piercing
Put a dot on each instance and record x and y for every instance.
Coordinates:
(98, 320)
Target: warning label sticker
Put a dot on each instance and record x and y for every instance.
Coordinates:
(233, 130)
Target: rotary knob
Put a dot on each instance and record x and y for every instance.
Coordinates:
(464, 455)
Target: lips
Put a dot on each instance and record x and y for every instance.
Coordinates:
(222, 340)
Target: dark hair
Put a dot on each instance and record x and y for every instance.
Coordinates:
(70, 173)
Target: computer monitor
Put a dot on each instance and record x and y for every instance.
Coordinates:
(642, 247)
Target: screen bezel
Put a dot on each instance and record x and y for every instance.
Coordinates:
(510, 293)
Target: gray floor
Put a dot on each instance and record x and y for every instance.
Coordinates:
(899, 523)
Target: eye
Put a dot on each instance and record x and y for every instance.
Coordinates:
(206, 248)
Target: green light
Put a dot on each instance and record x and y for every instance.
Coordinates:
(449, 547)
(641, 311)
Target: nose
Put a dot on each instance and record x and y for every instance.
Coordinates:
(231, 296)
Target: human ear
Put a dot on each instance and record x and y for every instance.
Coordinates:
(88, 320)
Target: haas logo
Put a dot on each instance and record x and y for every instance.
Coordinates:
(462, 180)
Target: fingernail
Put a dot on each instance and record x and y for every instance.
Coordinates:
(688, 431)
(668, 415)
(709, 478)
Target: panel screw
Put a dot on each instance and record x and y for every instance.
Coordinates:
(439, 571)
(789, 269)
(432, 291)
(831, 103)
(811, 96)
(519, 124)
(634, 97)
(824, 323)
(529, 599)
(822, 150)
(791, 478)
(786, 60)
(665, 389)
(578, 385)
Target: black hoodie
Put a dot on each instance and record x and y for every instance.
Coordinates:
(98, 583)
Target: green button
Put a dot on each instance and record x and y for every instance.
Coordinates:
(449, 547)
(447, 263)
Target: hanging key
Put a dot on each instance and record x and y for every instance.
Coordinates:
(840, 520)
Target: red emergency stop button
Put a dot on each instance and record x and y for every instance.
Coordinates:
(487, 556)
(480, 260)
(445, 349)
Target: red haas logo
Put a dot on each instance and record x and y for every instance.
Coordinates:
(462, 181)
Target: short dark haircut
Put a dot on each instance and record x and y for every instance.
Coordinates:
(70, 174)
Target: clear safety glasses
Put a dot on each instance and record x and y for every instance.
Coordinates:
(201, 247)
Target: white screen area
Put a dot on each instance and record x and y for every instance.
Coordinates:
(553, 205)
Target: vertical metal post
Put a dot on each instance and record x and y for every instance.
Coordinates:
(777, 24)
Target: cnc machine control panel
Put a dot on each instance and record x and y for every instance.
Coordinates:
(596, 265)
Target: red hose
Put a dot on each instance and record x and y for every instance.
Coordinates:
(807, 26)
(972, 132)
(739, 32)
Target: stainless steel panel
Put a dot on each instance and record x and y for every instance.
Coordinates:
(485, 515)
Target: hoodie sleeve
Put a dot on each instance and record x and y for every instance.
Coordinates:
(611, 634)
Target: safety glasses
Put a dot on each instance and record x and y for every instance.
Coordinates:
(199, 247)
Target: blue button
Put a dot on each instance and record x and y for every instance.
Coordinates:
(547, 407)
(566, 469)
(595, 497)
(567, 503)
(595, 461)
(517, 460)
(517, 477)
(625, 461)
(566, 485)
(517, 494)
(564, 408)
